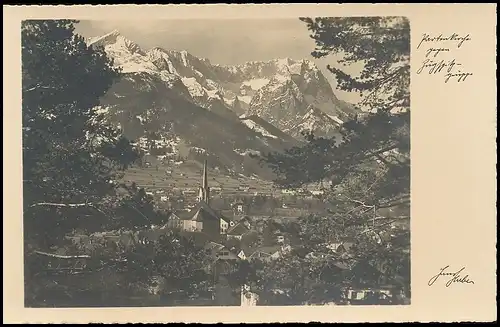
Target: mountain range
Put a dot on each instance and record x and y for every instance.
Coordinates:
(224, 112)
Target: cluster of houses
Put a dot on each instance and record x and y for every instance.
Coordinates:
(218, 229)
(223, 235)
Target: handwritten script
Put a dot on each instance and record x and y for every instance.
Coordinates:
(451, 277)
(439, 59)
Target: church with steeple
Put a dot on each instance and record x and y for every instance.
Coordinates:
(203, 218)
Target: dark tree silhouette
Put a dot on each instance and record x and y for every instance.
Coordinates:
(370, 167)
(72, 160)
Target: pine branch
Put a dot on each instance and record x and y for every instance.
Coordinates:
(38, 86)
(68, 205)
(359, 202)
(59, 256)
(394, 204)
(61, 205)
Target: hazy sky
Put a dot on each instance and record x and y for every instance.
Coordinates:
(231, 41)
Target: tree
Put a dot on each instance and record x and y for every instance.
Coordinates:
(137, 211)
(71, 158)
(370, 167)
(72, 161)
(242, 273)
(381, 44)
(112, 274)
(176, 259)
(295, 280)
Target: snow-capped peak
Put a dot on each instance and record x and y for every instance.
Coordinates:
(156, 50)
(277, 90)
(309, 64)
(109, 37)
(284, 62)
(117, 41)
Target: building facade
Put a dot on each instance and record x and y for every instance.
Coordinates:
(203, 218)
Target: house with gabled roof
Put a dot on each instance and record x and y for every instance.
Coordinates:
(175, 221)
(220, 251)
(340, 247)
(205, 219)
(268, 253)
(237, 231)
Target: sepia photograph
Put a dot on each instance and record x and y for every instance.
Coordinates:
(216, 162)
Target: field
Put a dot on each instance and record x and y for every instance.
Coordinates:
(187, 176)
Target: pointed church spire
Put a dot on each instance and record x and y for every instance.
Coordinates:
(204, 194)
(205, 178)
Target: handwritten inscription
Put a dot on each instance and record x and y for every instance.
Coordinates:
(438, 47)
(454, 38)
(451, 277)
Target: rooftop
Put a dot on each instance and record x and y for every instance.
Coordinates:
(202, 212)
(238, 229)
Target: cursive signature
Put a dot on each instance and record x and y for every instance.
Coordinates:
(454, 277)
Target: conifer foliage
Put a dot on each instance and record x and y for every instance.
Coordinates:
(72, 162)
(70, 156)
(369, 170)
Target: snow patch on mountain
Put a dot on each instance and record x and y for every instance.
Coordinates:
(184, 59)
(214, 94)
(252, 125)
(336, 119)
(194, 88)
(245, 98)
(198, 150)
(247, 152)
(256, 83)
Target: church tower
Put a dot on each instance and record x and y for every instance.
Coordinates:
(204, 192)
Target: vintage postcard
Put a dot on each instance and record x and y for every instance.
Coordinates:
(249, 163)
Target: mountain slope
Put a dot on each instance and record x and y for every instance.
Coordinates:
(266, 129)
(173, 95)
(318, 122)
(142, 104)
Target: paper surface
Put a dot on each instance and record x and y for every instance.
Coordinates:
(453, 127)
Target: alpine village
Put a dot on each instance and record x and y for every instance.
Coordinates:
(139, 191)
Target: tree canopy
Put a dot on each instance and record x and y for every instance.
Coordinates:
(369, 170)
(72, 163)
(71, 158)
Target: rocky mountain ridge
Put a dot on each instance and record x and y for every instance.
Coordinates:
(225, 110)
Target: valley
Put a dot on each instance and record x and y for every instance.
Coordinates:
(185, 178)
